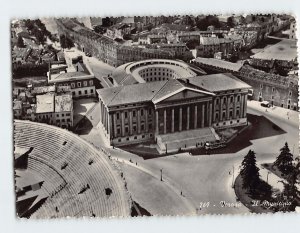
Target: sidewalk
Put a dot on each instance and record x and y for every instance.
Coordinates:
(282, 113)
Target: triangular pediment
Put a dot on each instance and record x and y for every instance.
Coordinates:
(184, 93)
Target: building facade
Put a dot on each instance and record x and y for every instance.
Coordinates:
(147, 111)
(278, 90)
(79, 78)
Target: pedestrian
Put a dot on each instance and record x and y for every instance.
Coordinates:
(181, 193)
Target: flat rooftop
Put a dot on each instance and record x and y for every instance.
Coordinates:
(45, 103)
(285, 50)
(63, 103)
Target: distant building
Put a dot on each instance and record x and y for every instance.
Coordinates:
(211, 45)
(278, 90)
(119, 30)
(79, 77)
(55, 109)
(292, 34)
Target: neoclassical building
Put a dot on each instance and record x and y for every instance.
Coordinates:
(175, 113)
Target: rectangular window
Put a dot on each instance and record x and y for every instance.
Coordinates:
(85, 92)
(73, 85)
(57, 115)
(125, 114)
(134, 128)
(118, 131)
(133, 113)
(150, 126)
(118, 116)
(78, 84)
(92, 91)
(273, 89)
(73, 92)
(68, 114)
(84, 83)
(126, 129)
(142, 127)
(79, 92)
(142, 112)
(91, 83)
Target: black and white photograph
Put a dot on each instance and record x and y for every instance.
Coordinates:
(177, 115)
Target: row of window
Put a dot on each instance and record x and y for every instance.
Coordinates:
(134, 128)
(135, 137)
(85, 84)
(224, 114)
(134, 113)
(231, 122)
(85, 92)
(231, 99)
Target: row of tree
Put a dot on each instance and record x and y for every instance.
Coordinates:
(259, 189)
(65, 41)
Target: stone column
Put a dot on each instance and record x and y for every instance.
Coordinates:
(156, 122)
(180, 119)
(195, 117)
(242, 106)
(221, 108)
(210, 113)
(188, 118)
(115, 124)
(139, 121)
(228, 107)
(245, 106)
(165, 121)
(202, 117)
(172, 120)
(122, 124)
(130, 122)
(146, 120)
(234, 106)
(110, 125)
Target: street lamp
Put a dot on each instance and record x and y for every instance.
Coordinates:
(161, 174)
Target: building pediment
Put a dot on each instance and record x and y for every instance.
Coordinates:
(183, 93)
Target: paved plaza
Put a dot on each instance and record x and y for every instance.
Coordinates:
(185, 177)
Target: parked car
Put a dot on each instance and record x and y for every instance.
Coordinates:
(265, 104)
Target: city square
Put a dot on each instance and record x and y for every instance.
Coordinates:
(164, 109)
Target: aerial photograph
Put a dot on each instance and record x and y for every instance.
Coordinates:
(178, 115)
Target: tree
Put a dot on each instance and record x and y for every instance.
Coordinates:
(250, 172)
(284, 161)
(209, 20)
(230, 22)
(20, 42)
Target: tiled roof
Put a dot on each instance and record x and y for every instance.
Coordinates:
(219, 63)
(218, 82)
(154, 91)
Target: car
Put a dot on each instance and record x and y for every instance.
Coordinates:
(88, 54)
(265, 104)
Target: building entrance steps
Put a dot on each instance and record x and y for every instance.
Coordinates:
(185, 139)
